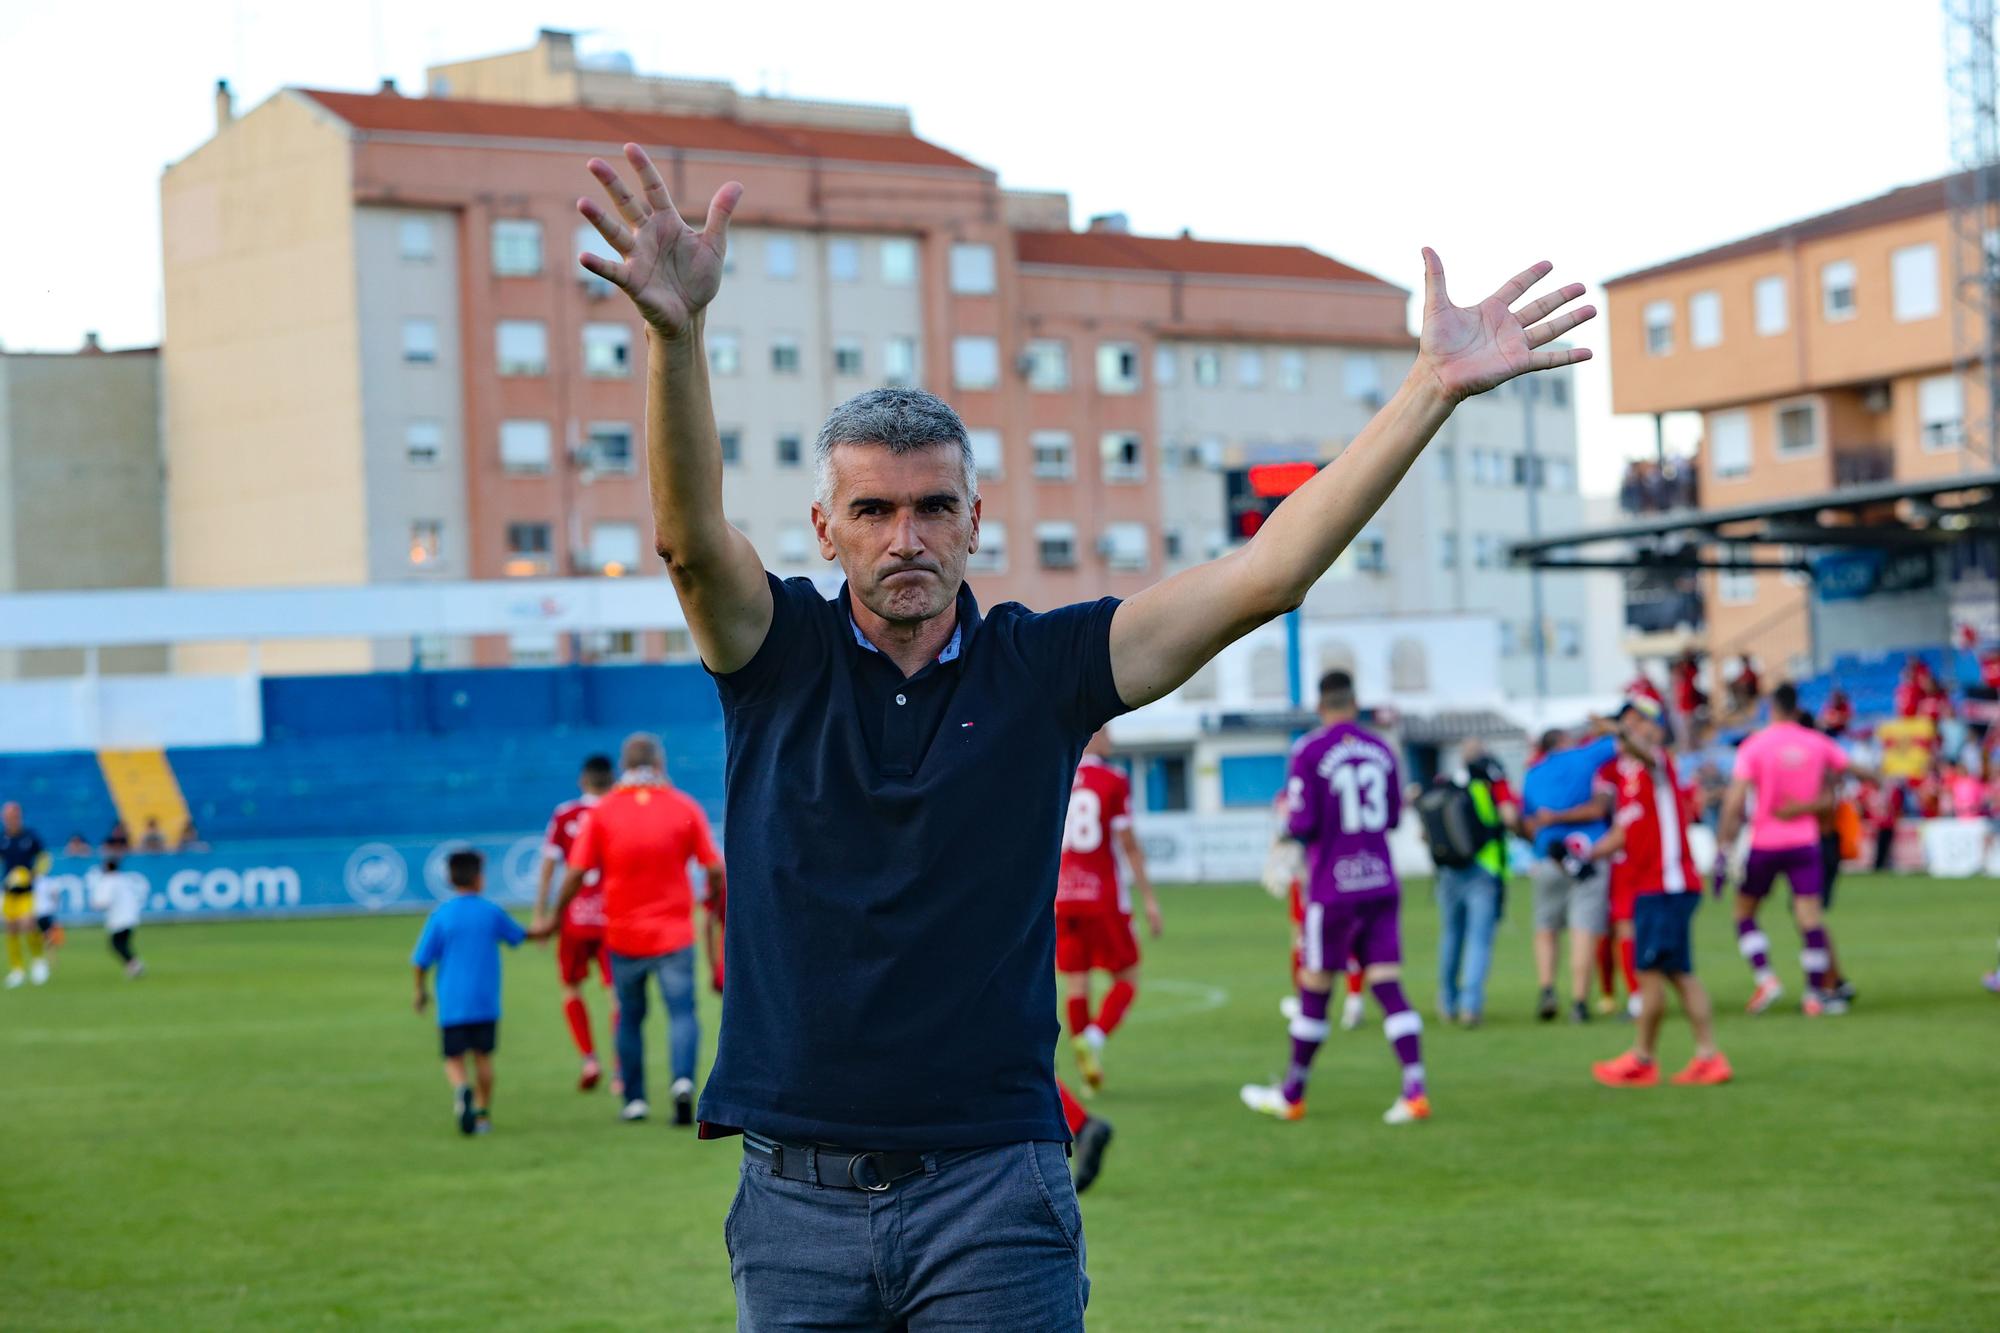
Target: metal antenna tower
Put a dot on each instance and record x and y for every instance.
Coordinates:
(1973, 195)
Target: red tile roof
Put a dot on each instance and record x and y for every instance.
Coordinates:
(388, 112)
(1182, 254)
(1900, 205)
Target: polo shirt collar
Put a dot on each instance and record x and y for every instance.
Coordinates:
(968, 624)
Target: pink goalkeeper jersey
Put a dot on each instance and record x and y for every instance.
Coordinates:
(1786, 762)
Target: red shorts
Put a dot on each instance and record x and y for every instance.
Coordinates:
(575, 949)
(1095, 942)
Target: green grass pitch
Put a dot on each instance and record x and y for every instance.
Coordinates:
(256, 1136)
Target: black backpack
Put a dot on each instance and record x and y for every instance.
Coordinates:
(1452, 825)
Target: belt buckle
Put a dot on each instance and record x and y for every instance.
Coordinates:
(880, 1185)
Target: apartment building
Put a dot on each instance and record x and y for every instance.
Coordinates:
(80, 486)
(1819, 355)
(416, 349)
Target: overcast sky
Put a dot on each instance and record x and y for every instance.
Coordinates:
(1603, 135)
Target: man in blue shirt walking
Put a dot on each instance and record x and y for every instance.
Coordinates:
(462, 941)
(1559, 811)
(899, 770)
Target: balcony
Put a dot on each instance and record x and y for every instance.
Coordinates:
(1649, 488)
(1861, 464)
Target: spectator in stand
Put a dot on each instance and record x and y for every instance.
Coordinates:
(1882, 806)
(118, 840)
(152, 838)
(1919, 694)
(1690, 704)
(1964, 793)
(191, 840)
(1745, 685)
(1838, 714)
(78, 845)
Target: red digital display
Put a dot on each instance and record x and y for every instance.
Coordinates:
(1280, 479)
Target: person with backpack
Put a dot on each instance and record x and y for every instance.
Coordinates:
(1465, 819)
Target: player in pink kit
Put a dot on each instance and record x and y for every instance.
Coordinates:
(1792, 769)
(582, 935)
(1345, 797)
(1094, 910)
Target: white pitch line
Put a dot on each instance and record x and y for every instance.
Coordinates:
(1197, 997)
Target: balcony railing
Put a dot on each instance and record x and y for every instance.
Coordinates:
(1860, 464)
(1649, 488)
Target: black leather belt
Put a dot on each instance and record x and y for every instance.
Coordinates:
(836, 1168)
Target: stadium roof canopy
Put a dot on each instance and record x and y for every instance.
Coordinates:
(1884, 515)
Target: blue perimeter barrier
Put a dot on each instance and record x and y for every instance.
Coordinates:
(305, 877)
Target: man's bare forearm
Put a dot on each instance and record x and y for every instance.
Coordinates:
(1162, 636)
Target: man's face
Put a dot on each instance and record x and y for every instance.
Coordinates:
(10, 817)
(1643, 729)
(901, 526)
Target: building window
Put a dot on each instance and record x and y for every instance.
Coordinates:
(1774, 310)
(610, 446)
(725, 353)
(1836, 290)
(1170, 544)
(522, 346)
(1055, 545)
(1798, 430)
(731, 444)
(899, 261)
(975, 362)
(1117, 368)
(588, 242)
(1360, 380)
(1559, 474)
(529, 550)
(1249, 368)
(614, 548)
(971, 269)
(1048, 365)
(1482, 551)
(534, 648)
(795, 543)
(791, 449)
(612, 645)
(986, 451)
(1166, 365)
(1704, 319)
(426, 541)
(1124, 456)
(991, 557)
(847, 359)
(1292, 372)
(420, 341)
(1055, 455)
(415, 241)
(1371, 554)
(899, 361)
(607, 350)
(1659, 328)
(524, 447)
(1913, 272)
(1569, 639)
(1447, 461)
(1125, 546)
(843, 259)
(1729, 443)
(781, 257)
(1941, 413)
(1510, 639)
(422, 442)
(784, 355)
(1736, 587)
(1208, 368)
(517, 248)
(1528, 471)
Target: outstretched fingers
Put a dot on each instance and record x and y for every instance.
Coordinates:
(1517, 286)
(1435, 296)
(607, 226)
(1536, 311)
(622, 198)
(1561, 324)
(716, 230)
(613, 272)
(649, 179)
(1552, 357)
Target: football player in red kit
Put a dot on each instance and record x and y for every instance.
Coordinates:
(581, 937)
(1093, 909)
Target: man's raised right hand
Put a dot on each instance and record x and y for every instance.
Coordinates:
(669, 270)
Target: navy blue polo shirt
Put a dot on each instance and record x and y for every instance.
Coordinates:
(892, 847)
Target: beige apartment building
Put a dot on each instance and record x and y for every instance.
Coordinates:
(1819, 355)
(383, 362)
(81, 486)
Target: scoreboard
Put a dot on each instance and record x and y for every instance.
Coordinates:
(1251, 493)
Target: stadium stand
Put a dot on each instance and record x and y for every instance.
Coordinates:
(459, 753)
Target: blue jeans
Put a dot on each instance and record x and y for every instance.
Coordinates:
(676, 980)
(1469, 911)
(983, 1238)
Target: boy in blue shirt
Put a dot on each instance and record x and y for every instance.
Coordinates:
(461, 939)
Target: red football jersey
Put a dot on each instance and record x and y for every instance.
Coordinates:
(1653, 812)
(586, 910)
(1100, 800)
